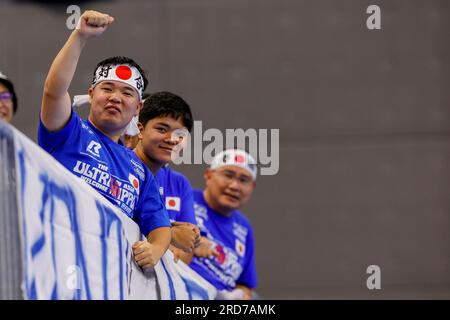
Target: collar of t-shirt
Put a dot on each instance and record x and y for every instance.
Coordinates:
(216, 214)
(102, 135)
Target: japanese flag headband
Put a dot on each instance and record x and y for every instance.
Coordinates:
(235, 157)
(122, 73)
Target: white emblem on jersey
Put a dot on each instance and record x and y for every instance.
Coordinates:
(200, 211)
(138, 169)
(240, 248)
(161, 191)
(93, 148)
(85, 126)
(201, 224)
(240, 231)
(173, 203)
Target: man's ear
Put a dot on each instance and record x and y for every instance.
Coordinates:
(141, 129)
(207, 175)
(91, 94)
(139, 107)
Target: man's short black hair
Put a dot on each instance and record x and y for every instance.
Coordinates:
(166, 104)
(118, 60)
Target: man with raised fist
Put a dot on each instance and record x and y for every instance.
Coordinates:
(91, 149)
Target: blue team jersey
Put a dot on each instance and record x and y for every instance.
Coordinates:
(110, 168)
(232, 238)
(177, 195)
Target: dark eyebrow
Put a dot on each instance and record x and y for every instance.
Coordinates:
(128, 89)
(240, 175)
(229, 172)
(162, 124)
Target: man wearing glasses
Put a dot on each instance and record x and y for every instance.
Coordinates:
(8, 99)
(230, 182)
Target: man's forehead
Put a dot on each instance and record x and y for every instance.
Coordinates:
(236, 170)
(117, 84)
(169, 121)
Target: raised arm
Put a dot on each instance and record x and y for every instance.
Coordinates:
(56, 105)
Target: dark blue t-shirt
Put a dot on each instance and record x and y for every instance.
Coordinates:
(110, 168)
(176, 192)
(232, 238)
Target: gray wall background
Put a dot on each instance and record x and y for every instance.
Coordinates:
(363, 116)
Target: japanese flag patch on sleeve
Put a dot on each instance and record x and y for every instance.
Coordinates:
(173, 203)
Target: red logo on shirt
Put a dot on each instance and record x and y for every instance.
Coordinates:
(221, 257)
(114, 188)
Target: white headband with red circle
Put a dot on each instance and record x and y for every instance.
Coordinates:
(235, 157)
(122, 73)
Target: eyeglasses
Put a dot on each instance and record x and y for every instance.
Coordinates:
(6, 96)
(228, 177)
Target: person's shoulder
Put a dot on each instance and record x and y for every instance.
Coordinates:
(242, 219)
(243, 225)
(177, 176)
(198, 194)
(68, 135)
(129, 152)
(125, 152)
(144, 173)
(174, 173)
(88, 131)
(72, 121)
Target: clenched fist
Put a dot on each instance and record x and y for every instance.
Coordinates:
(145, 254)
(185, 236)
(93, 23)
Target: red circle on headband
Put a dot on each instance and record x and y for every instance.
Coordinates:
(239, 159)
(123, 72)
